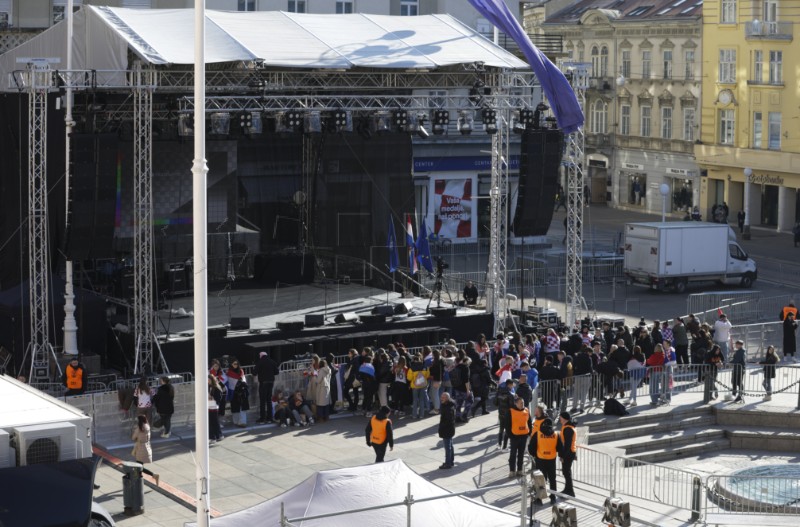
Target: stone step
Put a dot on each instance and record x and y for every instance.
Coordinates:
(671, 453)
(627, 429)
(630, 421)
(675, 439)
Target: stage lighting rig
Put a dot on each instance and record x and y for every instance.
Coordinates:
(220, 123)
(465, 122)
(441, 119)
(400, 119)
(617, 512)
(489, 118)
(251, 123)
(382, 122)
(293, 119)
(185, 125)
(312, 122)
(343, 121)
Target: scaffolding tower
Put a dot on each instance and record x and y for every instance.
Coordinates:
(497, 302)
(574, 303)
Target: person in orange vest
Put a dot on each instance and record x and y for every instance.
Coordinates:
(520, 429)
(788, 309)
(544, 449)
(75, 377)
(567, 450)
(379, 433)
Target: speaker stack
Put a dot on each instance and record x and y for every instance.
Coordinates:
(540, 159)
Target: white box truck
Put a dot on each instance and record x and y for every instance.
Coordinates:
(667, 256)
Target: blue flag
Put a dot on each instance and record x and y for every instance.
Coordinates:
(394, 258)
(559, 93)
(424, 249)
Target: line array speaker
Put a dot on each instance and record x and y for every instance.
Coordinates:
(538, 181)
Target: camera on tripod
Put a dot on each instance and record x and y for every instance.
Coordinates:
(441, 265)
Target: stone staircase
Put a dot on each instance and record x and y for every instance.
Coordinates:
(690, 432)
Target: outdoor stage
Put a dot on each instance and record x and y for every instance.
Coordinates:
(262, 309)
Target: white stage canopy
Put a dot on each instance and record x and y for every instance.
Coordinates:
(367, 486)
(103, 36)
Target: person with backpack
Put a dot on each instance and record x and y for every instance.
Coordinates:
(481, 381)
(567, 450)
(520, 429)
(544, 449)
(418, 380)
(462, 389)
(503, 401)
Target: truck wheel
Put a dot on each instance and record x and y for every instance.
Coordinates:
(747, 281)
(680, 285)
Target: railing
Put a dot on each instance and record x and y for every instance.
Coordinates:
(756, 495)
(742, 307)
(768, 30)
(658, 483)
(593, 468)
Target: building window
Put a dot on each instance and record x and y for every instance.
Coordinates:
(727, 123)
(776, 67)
(666, 122)
(409, 7)
(625, 119)
(727, 65)
(599, 117)
(626, 64)
(344, 7)
(645, 121)
(297, 6)
(758, 126)
(595, 61)
(728, 12)
(604, 61)
(771, 17)
(667, 63)
(758, 66)
(688, 124)
(688, 59)
(247, 5)
(774, 130)
(59, 9)
(646, 59)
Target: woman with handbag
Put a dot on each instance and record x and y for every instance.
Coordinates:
(142, 451)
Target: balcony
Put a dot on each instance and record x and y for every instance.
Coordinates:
(654, 143)
(550, 45)
(597, 140)
(759, 30)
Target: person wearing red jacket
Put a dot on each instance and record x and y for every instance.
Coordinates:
(655, 364)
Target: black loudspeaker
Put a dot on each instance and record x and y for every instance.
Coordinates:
(541, 153)
(386, 311)
(443, 312)
(93, 195)
(315, 321)
(240, 323)
(289, 325)
(218, 333)
(345, 317)
(372, 319)
(403, 308)
(175, 276)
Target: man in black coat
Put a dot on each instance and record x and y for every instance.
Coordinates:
(447, 429)
(550, 391)
(266, 370)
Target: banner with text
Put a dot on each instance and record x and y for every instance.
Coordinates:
(453, 208)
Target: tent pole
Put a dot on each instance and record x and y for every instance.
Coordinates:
(200, 253)
(409, 502)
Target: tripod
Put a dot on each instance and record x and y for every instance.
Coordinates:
(437, 290)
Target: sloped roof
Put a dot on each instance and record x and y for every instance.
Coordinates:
(631, 10)
(103, 36)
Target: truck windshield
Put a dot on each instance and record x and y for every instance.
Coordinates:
(737, 252)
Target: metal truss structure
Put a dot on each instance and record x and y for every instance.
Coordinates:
(575, 304)
(39, 347)
(497, 301)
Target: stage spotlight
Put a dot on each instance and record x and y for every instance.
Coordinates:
(551, 122)
(539, 486)
(343, 121)
(476, 92)
(489, 118)
(293, 119)
(441, 119)
(251, 123)
(617, 512)
(526, 117)
(465, 122)
(422, 120)
(185, 125)
(382, 122)
(363, 128)
(400, 119)
(564, 516)
(517, 125)
(220, 123)
(312, 122)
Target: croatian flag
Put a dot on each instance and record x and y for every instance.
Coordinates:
(424, 249)
(394, 258)
(559, 93)
(412, 257)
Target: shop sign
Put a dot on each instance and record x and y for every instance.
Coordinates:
(677, 172)
(632, 166)
(766, 179)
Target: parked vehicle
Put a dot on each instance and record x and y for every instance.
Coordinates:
(667, 256)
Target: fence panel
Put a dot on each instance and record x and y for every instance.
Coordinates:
(658, 483)
(757, 495)
(593, 468)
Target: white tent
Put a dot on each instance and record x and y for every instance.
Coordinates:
(366, 486)
(104, 35)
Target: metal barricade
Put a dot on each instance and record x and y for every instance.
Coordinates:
(670, 486)
(756, 495)
(758, 337)
(593, 468)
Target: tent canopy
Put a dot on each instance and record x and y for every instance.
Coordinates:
(366, 486)
(104, 35)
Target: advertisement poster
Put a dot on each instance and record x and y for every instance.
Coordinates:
(453, 208)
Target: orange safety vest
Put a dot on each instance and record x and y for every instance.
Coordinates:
(574, 446)
(537, 424)
(546, 445)
(519, 422)
(74, 377)
(378, 426)
(789, 309)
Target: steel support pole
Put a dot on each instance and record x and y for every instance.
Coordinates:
(496, 302)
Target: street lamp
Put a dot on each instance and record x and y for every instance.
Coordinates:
(664, 189)
(748, 173)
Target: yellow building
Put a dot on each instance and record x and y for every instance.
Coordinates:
(749, 148)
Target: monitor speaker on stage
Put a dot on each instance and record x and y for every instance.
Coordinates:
(386, 311)
(314, 320)
(403, 308)
(372, 319)
(240, 323)
(341, 318)
(540, 159)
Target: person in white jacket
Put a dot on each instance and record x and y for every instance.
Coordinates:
(722, 334)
